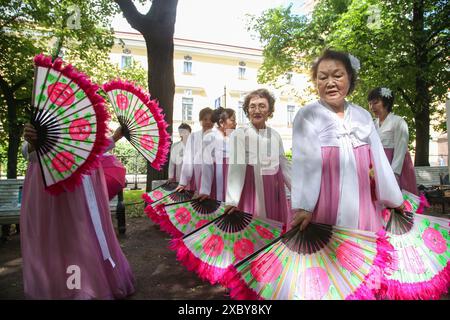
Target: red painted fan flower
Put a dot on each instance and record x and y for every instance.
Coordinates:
(183, 216)
(63, 161)
(350, 255)
(434, 240)
(243, 248)
(60, 94)
(80, 129)
(317, 282)
(264, 233)
(267, 269)
(201, 223)
(213, 246)
(122, 101)
(157, 194)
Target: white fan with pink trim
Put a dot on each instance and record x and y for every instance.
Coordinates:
(141, 119)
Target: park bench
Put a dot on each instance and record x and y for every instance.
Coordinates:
(431, 181)
(10, 210)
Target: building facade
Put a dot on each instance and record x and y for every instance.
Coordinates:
(211, 74)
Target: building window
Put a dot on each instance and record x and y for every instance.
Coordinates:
(241, 117)
(241, 70)
(187, 66)
(126, 61)
(290, 115)
(187, 104)
(289, 78)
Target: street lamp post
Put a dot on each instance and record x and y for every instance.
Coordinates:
(136, 172)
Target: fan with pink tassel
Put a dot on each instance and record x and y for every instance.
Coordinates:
(70, 120)
(141, 119)
(421, 256)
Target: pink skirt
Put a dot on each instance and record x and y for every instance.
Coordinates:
(224, 167)
(115, 174)
(327, 205)
(276, 203)
(57, 232)
(408, 175)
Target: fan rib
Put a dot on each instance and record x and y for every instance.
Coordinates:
(42, 87)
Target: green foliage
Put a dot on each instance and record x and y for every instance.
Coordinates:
(134, 205)
(77, 30)
(288, 155)
(387, 50)
(133, 161)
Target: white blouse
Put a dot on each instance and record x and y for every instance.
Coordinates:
(262, 149)
(317, 125)
(216, 148)
(176, 160)
(394, 135)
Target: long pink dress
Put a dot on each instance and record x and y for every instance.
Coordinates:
(215, 165)
(57, 233)
(394, 136)
(257, 179)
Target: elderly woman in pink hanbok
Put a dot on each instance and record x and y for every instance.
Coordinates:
(258, 170)
(394, 135)
(215, 155)
(340, 173)
(69, 247)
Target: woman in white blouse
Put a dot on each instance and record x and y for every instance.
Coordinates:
(336, 154)
(177, 152)
(192, 159)
(258, 170)
(394, 136)
(215, 155)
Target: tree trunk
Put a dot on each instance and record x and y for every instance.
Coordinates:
(13, 132)
(422, 120)
(157, 27)
(422, 96)
(161, 83)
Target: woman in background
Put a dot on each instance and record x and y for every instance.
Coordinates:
(394, 135)
(177, 152)
(216, 153)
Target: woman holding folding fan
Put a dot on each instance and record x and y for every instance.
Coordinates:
(59, 237)
(341, 174)
(258, 171)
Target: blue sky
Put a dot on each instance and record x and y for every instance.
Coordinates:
(221, 21)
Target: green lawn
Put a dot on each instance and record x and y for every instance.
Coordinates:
(130, 198)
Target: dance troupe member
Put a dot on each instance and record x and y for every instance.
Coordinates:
(258, 170)
(177, 152)
(215, 155)
(336, 154)
(63, 237)
(192, 159)
(394, 135)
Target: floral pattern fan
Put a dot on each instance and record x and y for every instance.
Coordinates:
(70, 119)
(141, 119)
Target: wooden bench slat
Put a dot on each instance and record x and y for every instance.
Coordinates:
(9, 194)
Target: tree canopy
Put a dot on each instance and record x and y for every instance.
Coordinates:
(401, 45)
